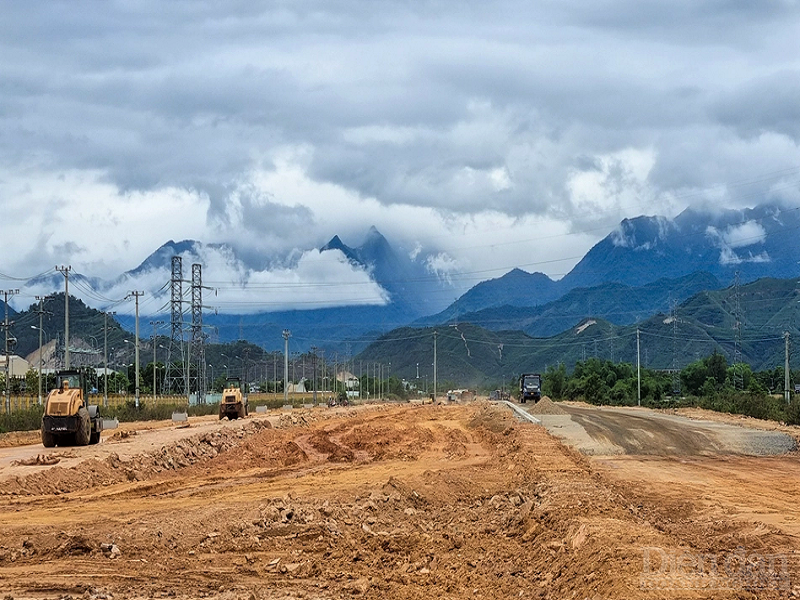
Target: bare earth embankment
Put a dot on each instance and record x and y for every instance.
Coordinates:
(393, 502)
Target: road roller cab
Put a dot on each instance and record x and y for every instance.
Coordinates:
(234, 403)
(68, 419)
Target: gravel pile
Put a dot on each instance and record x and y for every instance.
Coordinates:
(545, 406)
(757, 443)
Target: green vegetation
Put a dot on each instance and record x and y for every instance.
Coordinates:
(22, 420)
(708, 383)
(128, 412)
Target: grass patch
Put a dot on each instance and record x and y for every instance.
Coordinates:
(28, 419)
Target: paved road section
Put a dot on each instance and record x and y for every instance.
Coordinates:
(604, 431)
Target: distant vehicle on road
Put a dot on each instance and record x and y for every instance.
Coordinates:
(530, 387)
(233, 404)
(68, 418)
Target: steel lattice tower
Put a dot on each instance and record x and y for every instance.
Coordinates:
(198, 353)
(738, 376)
(173, 372)
(676, 380)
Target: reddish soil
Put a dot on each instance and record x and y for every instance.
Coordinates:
(403, 502)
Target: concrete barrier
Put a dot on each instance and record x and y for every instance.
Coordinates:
(180, 417)
(287, 407)
(522, 413)
(110, 423)
(261, 409)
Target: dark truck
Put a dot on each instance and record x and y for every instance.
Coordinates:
(530, 387)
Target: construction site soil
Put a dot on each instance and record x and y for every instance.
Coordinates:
(392, 502)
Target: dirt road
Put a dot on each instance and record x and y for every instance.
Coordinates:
(401, 502)
(615, 430)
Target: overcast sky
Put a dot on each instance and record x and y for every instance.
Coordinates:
(494, 135)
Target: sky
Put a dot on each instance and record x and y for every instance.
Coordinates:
(503, 134)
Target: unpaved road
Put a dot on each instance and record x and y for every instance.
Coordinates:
(401, 502)
(615, 430)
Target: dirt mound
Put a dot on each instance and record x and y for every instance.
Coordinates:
(381, 442)
(436, 503)
(90, 473)
(497, 419)
(546, 406)
(19, 438)
(122, 434)
(322, 442)
(38, 460)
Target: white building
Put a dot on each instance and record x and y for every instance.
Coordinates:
(17, 366)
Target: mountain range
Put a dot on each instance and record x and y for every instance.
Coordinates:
(640, 268)
(748, 243)
(470, 355)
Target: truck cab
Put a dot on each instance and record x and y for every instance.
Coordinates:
(530, 387)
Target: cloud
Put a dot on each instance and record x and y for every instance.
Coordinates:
(736, 237)
(314, 279)
(441, 265)
(471, 134)
(745, 234)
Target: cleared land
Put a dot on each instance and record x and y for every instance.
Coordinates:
(392, 502)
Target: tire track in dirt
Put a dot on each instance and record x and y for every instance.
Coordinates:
(488, 507)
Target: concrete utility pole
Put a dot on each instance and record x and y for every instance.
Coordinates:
(65, 272)
(155, 325)
(314, 367)
(435, 333)
(286, 335)
(136, 296)
(41, 331)
(787, 392)
(105, 357)
(6, 326)
(638, 371)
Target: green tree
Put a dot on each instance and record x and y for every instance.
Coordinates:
(555, 379)
(717, 366)
(594, 389)
(694, 376)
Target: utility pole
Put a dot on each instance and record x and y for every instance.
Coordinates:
(787, 392)
(675, 377)
(738, 377)
(638, 371)
(435, 381)
(41, 331)
(155, 325)
(136, 296)
(314, 366)
(105, 357)
(65, 272)
(286, 335)
(6, 326)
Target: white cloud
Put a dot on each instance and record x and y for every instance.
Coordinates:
(745, 234)
(739, 236)
(314, 280)
(505, 134)
(442, 265)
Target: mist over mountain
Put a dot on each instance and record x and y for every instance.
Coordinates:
(343, 296)
(755, 243)
(334, 295)
(409, 282)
